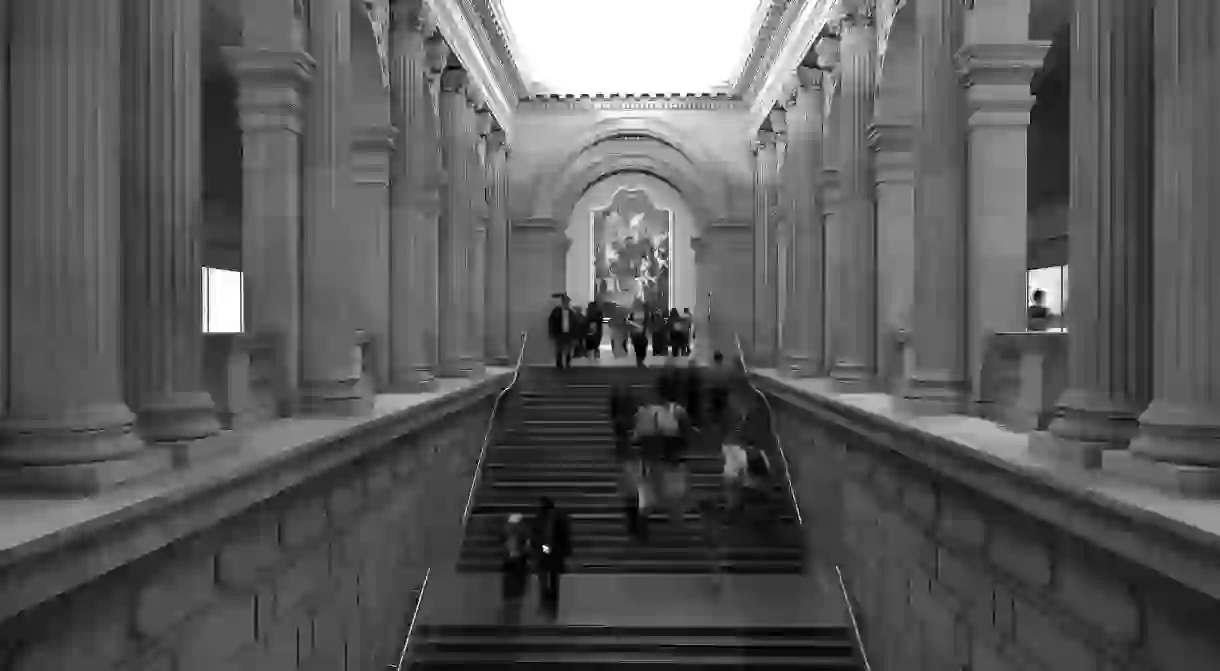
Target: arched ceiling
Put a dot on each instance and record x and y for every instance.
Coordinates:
(632, 46)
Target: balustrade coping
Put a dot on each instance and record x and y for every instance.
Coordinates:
(49, 546)
(1173, 536)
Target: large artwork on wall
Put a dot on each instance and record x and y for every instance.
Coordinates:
(631, 251)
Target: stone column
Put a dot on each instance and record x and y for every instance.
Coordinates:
(481, 212)
(938, 383)
(455, 357)
(809, 268)
(67, 427)
(895, 239)
(161, 206)
(4, 209)
(413, 243)
(1179, 434)
(272, 85)
(855, 363)
(331, 377)
(779, 218)
(372, 151)
(1110, 238)
(765, 253)
(792, 192)
(832, 219)
(499, 341)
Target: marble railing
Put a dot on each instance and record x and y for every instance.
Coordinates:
(966, 552)
(297, 548)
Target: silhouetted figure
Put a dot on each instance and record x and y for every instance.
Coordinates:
(637, 328)
(717, 382)
(561, 325)
(623, 407)
(515, 567)
(1039, 315)
(593, 329)
(552, 545)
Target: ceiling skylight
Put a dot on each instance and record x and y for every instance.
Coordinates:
(630, 46)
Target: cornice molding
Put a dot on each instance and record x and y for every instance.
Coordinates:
(1000, 64)
(557, 102)
(766, 23)
(500, 38)
(469, 41)
(805, 20)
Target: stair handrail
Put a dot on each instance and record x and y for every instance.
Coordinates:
(402, 656)
(855, 625)
(741, 357)
(491, 424)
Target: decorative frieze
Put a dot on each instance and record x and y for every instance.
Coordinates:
(593, 102)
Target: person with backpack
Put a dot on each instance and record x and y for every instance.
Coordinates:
(552, 546)
(662, 432)
(623, 408)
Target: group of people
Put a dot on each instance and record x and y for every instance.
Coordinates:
(654, 437)
(577, 333)
(542, 545)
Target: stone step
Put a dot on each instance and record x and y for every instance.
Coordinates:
(826, 644)
(646, 565)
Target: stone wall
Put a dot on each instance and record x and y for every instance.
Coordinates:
(316, 573)
(955, 561)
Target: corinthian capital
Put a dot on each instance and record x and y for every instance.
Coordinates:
(779, 120)
(810, 78)
(437, 53)
(495, 140)
(484, 121)
(453, 80)
(408, 15)
(859, 14)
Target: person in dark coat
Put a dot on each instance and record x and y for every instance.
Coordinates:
(593, 329)
(623, 407)
(552, 545)
(514, 567)
(561, 326)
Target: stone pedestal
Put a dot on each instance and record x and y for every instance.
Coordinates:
(1179, 434)
(996, 77)
(272, 87)
(855, 362)
(372, 149)
(67, 427)
(939, 383)
(895, 177)
(162, 220)
(413, 207)
(1110, 230)
(331, 384)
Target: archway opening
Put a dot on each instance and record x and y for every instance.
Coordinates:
(631, 243)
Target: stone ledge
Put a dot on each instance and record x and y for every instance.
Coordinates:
(51, 546)
(1178, 538)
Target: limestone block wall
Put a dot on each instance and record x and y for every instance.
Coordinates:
(315, 574)
(954, 562)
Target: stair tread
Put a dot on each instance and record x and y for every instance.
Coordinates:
(578, 658)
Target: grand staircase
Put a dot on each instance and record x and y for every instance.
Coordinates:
(557, 441)
(809, 648)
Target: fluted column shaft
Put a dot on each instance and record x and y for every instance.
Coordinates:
(938, 383)
(455, 356)
(810, 270)
(498, 338)
(67, 424)
(765, 290)
(855, 364)
(832, 217)
(1109, 227)
(413, 243)
(162, 218)
(895, 237)
(1182, 423)
(4, 190)
(479, 213)
(331, 382)
(369, 228)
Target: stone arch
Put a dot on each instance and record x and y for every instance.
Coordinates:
(654, 128)
(370, 96)
(558, 194)
(897, 67)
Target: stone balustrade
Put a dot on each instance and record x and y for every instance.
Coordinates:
(302, 549)
(962, 551)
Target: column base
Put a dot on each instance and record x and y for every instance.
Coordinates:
(185, 454)
(927, 395)
(466, 367)
(90, 434)
(82, 479)
(1179, 434)
(853, 378)
(1081, 454)
(417, 380)
(338, 398)
(1201, 482)
(173, 417)
(1084, 418)
(798, 366)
